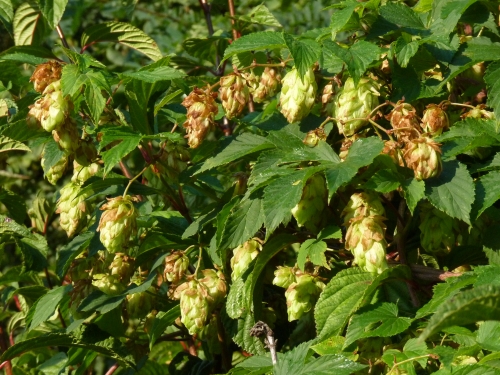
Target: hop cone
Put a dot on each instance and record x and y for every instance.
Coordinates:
(423, 155)
(435, 120)
(82, 174)
(45, 74)
(308, 212)
(355, 102)
(176, 265)
(362, 204)
(302, 295)
(73, 209)
(194, 305)
(173, 159)
(314, 136)
(234, 94)
(118, 223)
(347, 143)
(480, 113)
(328, 100)
(201, 111)
(86, 152)
(122, 266)
(215, 283)
(140, 304)
(438, 231)
(392, 148)
(268, 85)
(108, 284)
(404, 121)
(243, 256)
(297, 95)
(51, 110)
(284, 277)
(251, 80)
(54, 173)
(66, 136)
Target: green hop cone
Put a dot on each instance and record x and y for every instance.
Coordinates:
(354, 102)
(435, 120)
(366, 203)
(67, 136)
(200, 117)
(404, 121)
(52, 109)
(194, 305)
(122, 266)
(314, 136)
(215, 284)
(73, 209)
(284, 277)
(268, 85)
(393, 149)
(251, 80)
(243, 256)
(234, 94)
(176, 265)
(439, 233)
(118, 223)
(108, 284)
(308, 212)
(423, 155)
(54, 173)
(45, 74)
(297, 95)
(140, 304)
(302, 295)
(82, 174)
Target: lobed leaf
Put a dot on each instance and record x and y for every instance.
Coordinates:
(255, 42)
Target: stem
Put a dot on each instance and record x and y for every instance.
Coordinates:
(462, 105)
(259, 329)
(236, 33)
(133, 179)
(408, 360)
(125, 169)
(208, 19)
(328, 119)
(200, 257)
(113, 369)
(62, 37)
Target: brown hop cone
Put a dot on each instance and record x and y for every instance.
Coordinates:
(362, 204)
(176, 265)
(252, 80)
(391, 148)
(201, 111)
(67, 136)
(435, 120)
(404, 121)
(45, 74)
(328, 100)
(234, 94)
(423, 155)
(314, 136)
(268, 85)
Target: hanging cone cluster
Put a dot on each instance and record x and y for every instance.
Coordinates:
(201, 111)
(308, 212)
(118, 222)
(268, 85)
(176, 265)
(423, 155)
(435, 120)
(297, 95)
(355, 102)
(234, 94)
(365, 238)
(243, 256)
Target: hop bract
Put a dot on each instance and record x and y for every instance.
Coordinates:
(118, 223)
(66, 136)
(312, 203)
(297, 95)
(201, 111)
(108, 284)
(268, 85)
(243, 256)
(176, 265)
(73, 208)
(302, 295)
(355, 102)
(423, 155)
(45, 74)
(215, 283)
(435, 120)
(234, 94)
(122, 266)
(284, 277)
(82, 174)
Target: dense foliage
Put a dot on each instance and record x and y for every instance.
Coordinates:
(277, 188)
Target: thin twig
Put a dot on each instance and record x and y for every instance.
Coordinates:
(125, 169)
(232, 13)
(260, 329)
(133, 179)
(62, 37)
(208, 19)
(113, 369)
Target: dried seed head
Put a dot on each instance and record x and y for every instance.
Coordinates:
(423, 155)
(404, 121)
(435, 120)
(201, 111)
(45, 74)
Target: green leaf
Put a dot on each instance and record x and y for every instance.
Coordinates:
(357, 58)
(449, 13)
(492, 79)
(341, 18)
(361, 153)
(471, 306)
(95, 101)
(33, 55)
(47, 305)
(26, 20)
(34, 250)
(6, 14)
(242, 338)
(15, 204)
(381, 321)
(70, 251)
(383, 181)
(413, 351)
(162, 320)
(162, 73)
(413, 191)
(487, 192)
(244, 144)
(123, 33)
(482, 49)
(255, 42)
(487, 335)
(304, 53)
(332, 363)
(315, 251)
(401, 15)
(452, 191)
(52, 10)
(129, 140)
(406, 53)
(260, 15)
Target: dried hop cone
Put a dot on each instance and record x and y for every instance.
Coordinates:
(328, 100)
(194, 305)
(302, 295)
(297, 95)
(439, 232)
(201, 111)
(364, 204)
(108, 284)
(243, 256)
(284, 277)
(176, 265)
(423, 155)
(392, 149)
(234, 94)
(73, 209)
(404, 121)
(122, 266)
(118, 223)
(435, 120)
(45, 74)
(268, 85)
(355, 102)
(51, 110)
(308, 212)
(82, 174)
(54, 173)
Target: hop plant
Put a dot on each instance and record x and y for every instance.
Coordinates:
(108, 284)
(404, 121)
(355, 102)
(176, 265)
(118, 223)
(243, 256)
(51, 110)
(302, 295)
(328, 100)
(268, 85)
(423, 155)
(73, 209)
(86, 153)
(201, 111)
(364, 204)
(45, 74)
(234, 94)
(439, 233)
(54, 173)
(82, 174)
(312, 203)
(194, 305)
(297, 94)
(284, 277)
(435, 120)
